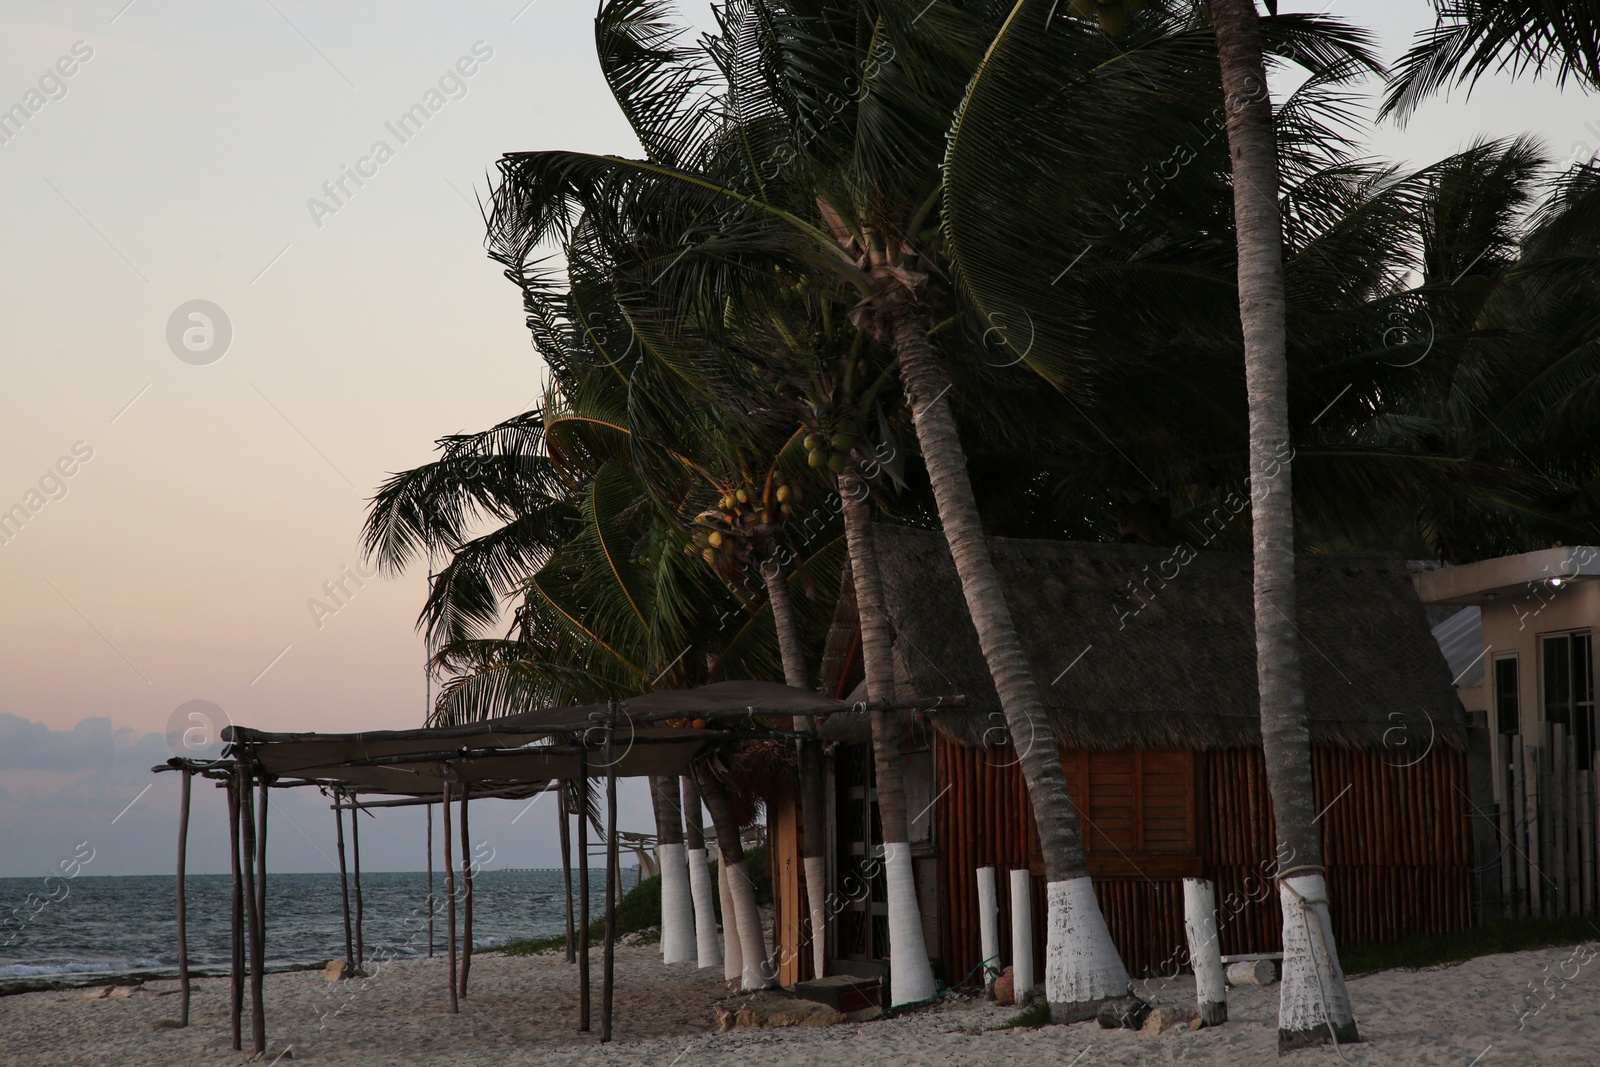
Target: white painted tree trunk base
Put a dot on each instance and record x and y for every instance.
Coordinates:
(1021, 938)
(1313, 1006)
(989, 925)
(816, 868)
(708, 950)
(910, 973)
(677, 906)
(754, 973)
(1082, 968)
(732, 958)
(1205, 953)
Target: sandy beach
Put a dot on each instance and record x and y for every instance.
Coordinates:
(523, 1010)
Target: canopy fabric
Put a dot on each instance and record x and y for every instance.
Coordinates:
(520, 754)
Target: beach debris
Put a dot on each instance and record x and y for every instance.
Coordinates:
(1252, 972)
(1004, 988)
(335, 970)
(770, 1009)
(1123, 1013)
(1170, 1017)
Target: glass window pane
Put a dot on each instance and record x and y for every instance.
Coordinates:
(1507, 707)
(1557, 678)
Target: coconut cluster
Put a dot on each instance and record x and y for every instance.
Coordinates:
(741, 513)
(830, 447)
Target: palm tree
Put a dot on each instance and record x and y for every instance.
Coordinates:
(851, 103)
(1474, 37)
(1314, 1006)
(1156, 69)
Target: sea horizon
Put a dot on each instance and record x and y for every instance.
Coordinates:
(112, 926)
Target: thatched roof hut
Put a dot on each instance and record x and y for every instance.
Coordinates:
(1146, 662)
(1140, 647)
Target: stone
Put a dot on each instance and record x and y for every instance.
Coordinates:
(1168, 1017)
(1123, 1013)
(1004, 988)
(772, 1010)
(1252, 972)
(335, 970)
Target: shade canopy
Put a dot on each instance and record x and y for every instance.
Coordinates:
(519, 755)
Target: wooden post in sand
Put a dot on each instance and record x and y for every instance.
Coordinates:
(236, 975)
(183, 902)
(466, 888)
(261, 872)
(252, 911)
(450, 898)
(355, 846)
(583, 898)
(344, 882)
(613, 877)
(429, 808)
(564, 796)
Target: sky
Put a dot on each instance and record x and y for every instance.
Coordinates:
(216, 344)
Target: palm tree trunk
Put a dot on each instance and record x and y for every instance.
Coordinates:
(1313, 1005)
(910, 975)
(1082, 966)
(707, 950)
(746, 918)
(677, 904)
(813, 807)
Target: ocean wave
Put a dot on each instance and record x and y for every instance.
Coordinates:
(36, 970)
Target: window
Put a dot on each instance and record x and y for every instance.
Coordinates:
(1137, 811)
(1569, 690)
(1507, 706)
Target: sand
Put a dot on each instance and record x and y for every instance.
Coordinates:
(523, 1010)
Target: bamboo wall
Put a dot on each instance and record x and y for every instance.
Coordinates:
(1396, 843)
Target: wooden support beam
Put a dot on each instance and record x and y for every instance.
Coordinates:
(430, 881)
(183, 900)
(565, 795)
(236, 899)
(257, 993)
(450, 899)
(252, 912)
(583, 901)
(466, 889)
(361, 911)
(613, 877)
(344, 887)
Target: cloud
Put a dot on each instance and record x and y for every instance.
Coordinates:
(28, 745)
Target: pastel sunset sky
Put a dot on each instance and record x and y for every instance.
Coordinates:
(211, 500)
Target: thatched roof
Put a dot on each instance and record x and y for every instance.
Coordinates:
(1178, 671)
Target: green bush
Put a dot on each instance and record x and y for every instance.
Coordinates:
(640, 909)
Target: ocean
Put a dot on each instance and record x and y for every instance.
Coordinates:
(109, 926)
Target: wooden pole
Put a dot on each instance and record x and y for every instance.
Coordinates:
(252, 910)
(344, 881)
(430, 881)
(361, 911)
(261, 871)
(236, 977)
(183, 901)
(613, 878)
(450, 898)
(566, 860)
(466, 889)
(583, 898)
